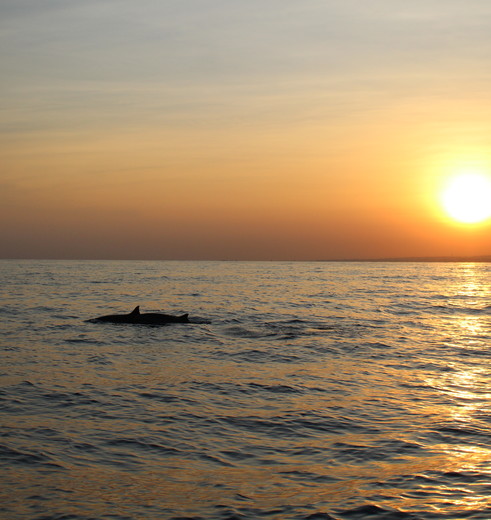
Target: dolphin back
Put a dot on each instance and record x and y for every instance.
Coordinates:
(136, 317)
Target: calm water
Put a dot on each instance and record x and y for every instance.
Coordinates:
(301, 391)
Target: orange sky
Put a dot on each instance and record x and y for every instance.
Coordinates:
(240, 130)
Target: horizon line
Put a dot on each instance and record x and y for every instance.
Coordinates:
(415, 259)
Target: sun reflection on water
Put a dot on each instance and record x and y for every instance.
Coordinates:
(472, 325)
(462, 413)
(469, 282)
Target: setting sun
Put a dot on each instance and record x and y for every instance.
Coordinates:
(467, 197)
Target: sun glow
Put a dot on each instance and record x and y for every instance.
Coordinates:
(467, 197)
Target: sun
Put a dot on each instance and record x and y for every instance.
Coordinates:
(467, 197)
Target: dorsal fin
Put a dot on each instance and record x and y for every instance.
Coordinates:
(135, 311)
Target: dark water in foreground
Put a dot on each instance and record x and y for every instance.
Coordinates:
(302, 391)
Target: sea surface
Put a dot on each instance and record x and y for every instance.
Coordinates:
(306, 391)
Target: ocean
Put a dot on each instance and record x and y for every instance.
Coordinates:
(299, 390)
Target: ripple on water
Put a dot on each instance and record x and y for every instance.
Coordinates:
(28, 458)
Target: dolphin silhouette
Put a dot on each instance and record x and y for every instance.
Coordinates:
(135, 317)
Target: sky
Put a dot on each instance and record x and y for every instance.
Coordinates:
(241, 130)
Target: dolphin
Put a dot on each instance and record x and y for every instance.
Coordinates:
(135, 317)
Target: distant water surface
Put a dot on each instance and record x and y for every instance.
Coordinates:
(300, 391)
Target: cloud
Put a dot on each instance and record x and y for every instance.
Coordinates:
(216, 41)
(70, 65)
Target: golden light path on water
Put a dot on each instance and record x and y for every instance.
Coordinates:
(466, 388)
